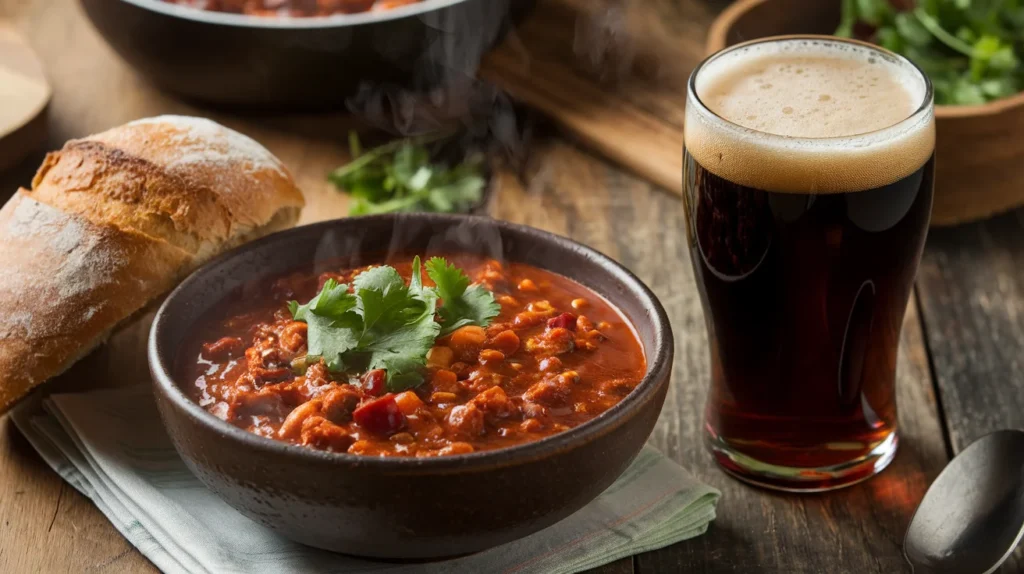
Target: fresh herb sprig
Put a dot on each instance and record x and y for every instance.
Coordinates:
(382, 323)
(400, 177)
(971, 49)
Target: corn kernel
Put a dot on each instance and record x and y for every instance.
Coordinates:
(439, 357)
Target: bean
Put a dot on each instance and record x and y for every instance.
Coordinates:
(443, 398)
(528, 286)
(292, 425)
(506, 341)
(488, 356)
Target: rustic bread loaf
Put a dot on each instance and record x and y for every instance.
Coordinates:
(115, 220)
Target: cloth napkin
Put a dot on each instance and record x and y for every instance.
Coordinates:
(111, 446)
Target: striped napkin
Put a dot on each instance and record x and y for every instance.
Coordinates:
(111, 447)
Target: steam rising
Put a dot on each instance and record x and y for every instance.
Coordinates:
(446, 94)
(444, 88)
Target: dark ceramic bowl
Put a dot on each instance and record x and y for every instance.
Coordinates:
(251, 61)
(408, 508)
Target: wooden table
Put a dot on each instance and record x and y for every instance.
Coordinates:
(959, 371)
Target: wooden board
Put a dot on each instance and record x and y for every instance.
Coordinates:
(612, 74)
(24, 95)
(971, 286)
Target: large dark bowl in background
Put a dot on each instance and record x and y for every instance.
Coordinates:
(408, 508)
(302, 63)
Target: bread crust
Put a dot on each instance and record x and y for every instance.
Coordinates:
(115, 220)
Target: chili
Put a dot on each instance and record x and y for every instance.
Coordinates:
(556, 356)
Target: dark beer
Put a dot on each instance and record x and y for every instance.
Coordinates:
(808, 186)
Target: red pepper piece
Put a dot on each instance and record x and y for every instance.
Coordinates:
(374, 381)
(381, 416)
(563, 321)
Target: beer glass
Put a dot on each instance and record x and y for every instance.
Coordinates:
(808, 167)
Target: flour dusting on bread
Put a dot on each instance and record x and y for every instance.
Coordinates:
(82, 265)
(201, 141)
(15, 324)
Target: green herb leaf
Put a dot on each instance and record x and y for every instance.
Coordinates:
(384, 324)
(332, 323)
(461, 304)
(874, 12)
(971, 49)
(848, 20)
(400, 177)
(911, 30)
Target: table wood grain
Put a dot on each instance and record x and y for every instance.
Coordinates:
(959, 372)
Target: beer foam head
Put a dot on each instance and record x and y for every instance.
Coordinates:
(809, 115)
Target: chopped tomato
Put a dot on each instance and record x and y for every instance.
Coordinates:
(380, 416)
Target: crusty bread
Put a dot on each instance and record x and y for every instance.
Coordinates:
(115, 220)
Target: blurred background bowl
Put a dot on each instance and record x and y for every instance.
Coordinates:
(303, 63)
(980, 149)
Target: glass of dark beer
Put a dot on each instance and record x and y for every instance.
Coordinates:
(808, 187)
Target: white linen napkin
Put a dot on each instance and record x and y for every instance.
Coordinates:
(111, 446)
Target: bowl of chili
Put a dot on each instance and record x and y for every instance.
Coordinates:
(410, 386)
(282, 55)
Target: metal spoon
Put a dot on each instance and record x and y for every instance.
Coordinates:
(972, 516)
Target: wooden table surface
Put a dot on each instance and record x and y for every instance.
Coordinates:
(959, 371)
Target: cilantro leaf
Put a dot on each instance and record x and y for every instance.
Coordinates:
(331, 318)
(385, 324)
(401, 176)
(971, 49)
(398, 325)
(462, 304)
(381, 293)
(402, 352)
(332, 339)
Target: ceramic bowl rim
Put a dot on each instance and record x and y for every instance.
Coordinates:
(659, 362)
(291, 23)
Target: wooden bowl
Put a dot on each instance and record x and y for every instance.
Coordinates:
(980, 149)
(408, 508)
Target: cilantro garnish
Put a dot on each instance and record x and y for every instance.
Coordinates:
(971, 49)
(463, 304)
(333, 323)
(381, 323)
(401, 176)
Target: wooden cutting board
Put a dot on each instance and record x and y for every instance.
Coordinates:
(24, 96)
(612, 73)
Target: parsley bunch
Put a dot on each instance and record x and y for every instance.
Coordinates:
(400, 177)
(382, 323)
(971, 49)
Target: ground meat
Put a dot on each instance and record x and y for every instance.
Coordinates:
(552, 390)
(556, 341)
(321, 433)
(466, 421)
(495, 404)
(338, 403)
